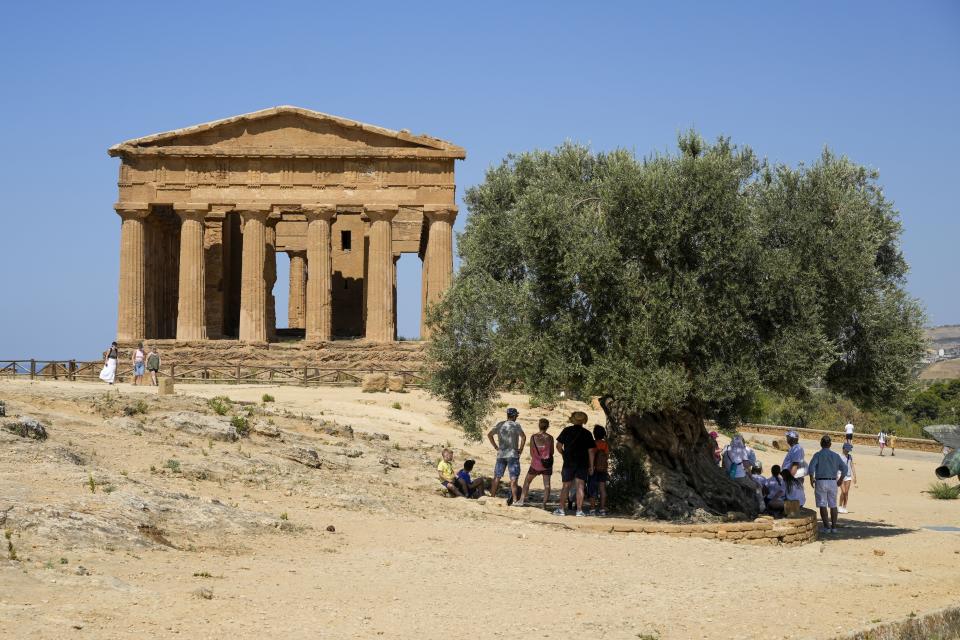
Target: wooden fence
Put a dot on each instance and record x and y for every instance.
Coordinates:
(200, 372)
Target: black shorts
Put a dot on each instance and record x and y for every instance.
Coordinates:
(567, 474)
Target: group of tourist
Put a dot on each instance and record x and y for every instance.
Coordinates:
(141, 362)
(585, 469)
(830, 474)
(584, 472)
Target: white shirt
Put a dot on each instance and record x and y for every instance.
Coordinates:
(882, 438)
(849, 428)
(775, 489)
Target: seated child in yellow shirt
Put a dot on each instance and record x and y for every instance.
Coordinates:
(448, 479)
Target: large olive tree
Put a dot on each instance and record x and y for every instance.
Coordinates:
(677, 287)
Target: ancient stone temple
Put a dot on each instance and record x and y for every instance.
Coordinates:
(205, 210)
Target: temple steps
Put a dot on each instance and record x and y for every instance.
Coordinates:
(338, 354)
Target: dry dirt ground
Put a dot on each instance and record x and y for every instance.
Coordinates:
(186, 531)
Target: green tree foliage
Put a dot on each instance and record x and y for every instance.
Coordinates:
(692, 280)
(940, 402)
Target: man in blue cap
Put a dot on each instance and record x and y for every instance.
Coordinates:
(794, 468)
(509, 443)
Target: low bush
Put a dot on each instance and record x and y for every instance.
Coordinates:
(220, 405)
(943, 491)
(241, 424)
(267, 398)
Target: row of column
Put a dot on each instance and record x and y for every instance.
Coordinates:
(256, 281)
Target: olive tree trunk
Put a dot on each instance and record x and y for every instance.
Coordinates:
(679, 478)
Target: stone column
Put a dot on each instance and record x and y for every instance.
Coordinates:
(379, 284)
(270, 275)
(319, 306)
(297, 300)
(253, 285)
(438, 257)
(192, 293)
(131, 316)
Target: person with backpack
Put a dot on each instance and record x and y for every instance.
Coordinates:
(153, 365)
(597, 484)
(541, 462)
(109, 372)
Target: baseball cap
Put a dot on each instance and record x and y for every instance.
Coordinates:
(512, 412)
(847, 446)
(714, 435)
(792, 434)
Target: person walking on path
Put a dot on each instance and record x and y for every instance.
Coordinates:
(153, 365)
(509, 443)
(850, 475)
(892, 443)
(578, 449)
(881, 440)
(109, 372)
(541, 462)
(139, 363)
(827, 470)
(848, 431)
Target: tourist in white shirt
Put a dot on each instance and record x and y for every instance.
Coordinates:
(848, 430)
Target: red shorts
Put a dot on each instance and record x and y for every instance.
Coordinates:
(533, 472)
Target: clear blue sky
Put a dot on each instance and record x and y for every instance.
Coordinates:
(877, 81)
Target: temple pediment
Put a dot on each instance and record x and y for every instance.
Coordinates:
(288, 131)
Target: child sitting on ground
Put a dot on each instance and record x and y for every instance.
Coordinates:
(448, 480)
(468, 486)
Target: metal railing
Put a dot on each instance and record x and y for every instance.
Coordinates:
(224, 373)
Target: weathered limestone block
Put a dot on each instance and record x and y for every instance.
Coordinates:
(374, 382)
(395, 382)
(165, 387)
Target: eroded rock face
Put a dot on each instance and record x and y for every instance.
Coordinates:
(215, 428)
(26, 427)
(305, 456)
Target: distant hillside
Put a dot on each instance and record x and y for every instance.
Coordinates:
(942, 370)
(944, 336)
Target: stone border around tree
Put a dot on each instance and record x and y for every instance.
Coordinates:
(765, 530)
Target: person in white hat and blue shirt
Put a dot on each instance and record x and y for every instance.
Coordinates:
(794, 468)
(827, 470)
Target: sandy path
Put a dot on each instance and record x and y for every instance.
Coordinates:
(423, 566)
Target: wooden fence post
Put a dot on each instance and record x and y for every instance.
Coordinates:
(173, 373)
(238, 372)
(305, 375)
(33, 369)
(72, 370)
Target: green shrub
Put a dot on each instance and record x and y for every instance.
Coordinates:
(138, 408)
(91, 483)
(267, 398)
(241, 424)
(173, 465)
(396, 405)
(943, 491)
(220, 405)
